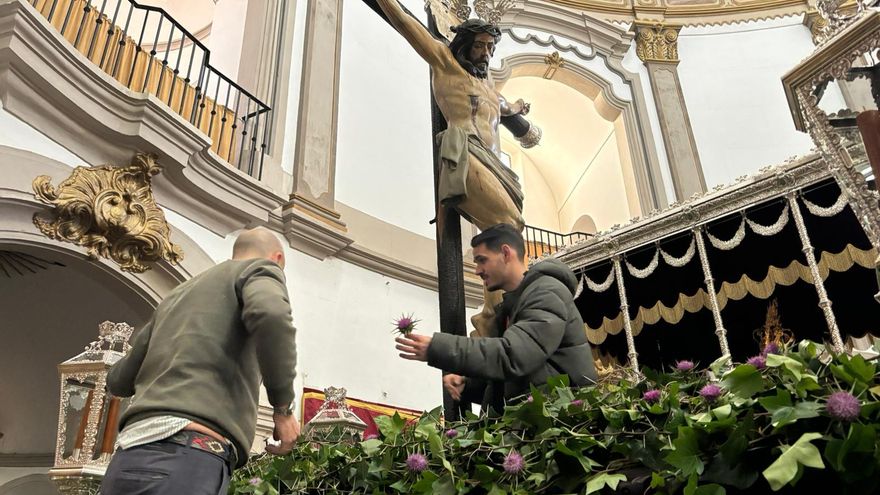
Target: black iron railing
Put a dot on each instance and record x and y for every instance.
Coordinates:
(540, 242)
(147, 50)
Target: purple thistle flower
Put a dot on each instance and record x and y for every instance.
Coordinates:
(684, 365)
(577, 403)
(405, 324)
(255, 481)
(759, 362)
(513, 463)
(451, 433)
(651, 396)
(843, 406)
(771, 348)
(416, 463)
(710, 392)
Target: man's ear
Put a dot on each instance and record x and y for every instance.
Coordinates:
(507, 251)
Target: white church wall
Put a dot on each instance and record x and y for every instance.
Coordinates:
(384, 155)
(731, 80)
(17, 134)
(343, 315)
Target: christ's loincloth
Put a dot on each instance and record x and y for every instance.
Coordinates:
(455, 146)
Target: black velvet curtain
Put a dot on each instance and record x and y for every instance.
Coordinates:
(662, 343)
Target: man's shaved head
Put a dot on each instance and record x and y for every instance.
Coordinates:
(258, 242)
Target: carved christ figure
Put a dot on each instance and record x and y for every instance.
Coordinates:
(472, 177)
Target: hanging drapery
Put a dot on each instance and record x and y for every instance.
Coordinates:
(624, 311)
(824, 302)
(710, 289)
(745, 286)
(596, 287)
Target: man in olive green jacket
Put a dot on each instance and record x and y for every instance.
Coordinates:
(540, 332)
(194, 372)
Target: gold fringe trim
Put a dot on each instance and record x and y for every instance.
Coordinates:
(763, 289)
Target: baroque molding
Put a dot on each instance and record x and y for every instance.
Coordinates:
(52, 87)
(110, 211)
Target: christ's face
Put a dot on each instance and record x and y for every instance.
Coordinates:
(481, 51)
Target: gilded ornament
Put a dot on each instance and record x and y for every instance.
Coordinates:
(110, 211)
(554, 62)
(492, 11)
(656, 42)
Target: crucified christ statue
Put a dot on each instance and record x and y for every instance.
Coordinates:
(472, 177)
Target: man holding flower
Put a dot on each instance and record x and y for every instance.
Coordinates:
(539, 332)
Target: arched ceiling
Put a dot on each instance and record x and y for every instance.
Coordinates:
(573, 131)
(51, 307)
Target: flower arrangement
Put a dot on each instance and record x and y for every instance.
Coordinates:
(807, 420)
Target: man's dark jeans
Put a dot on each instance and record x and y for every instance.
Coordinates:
(165, 468)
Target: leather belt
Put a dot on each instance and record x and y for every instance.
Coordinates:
(207, 443)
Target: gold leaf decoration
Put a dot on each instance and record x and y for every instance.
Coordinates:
(111, 212)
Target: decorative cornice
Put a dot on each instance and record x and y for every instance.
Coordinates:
(656, 42)
(312, 233)
(55, 89)
(769, 182)
(691, 13)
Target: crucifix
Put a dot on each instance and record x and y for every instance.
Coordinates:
(470, 179)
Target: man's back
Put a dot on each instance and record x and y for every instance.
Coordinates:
(198, 357)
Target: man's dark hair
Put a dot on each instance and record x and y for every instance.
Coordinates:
(465, 33)
(502, 233)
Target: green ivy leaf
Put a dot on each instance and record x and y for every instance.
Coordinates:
(784, 412)
(722, 412)
(744, 381)
(443, 486)
(371, 446)
(686, 455)
(860, 439)
(785, 468)
(497, 490)
(586, 463)
(601, 480)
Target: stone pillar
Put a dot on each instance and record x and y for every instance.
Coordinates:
(311, 223)
(657, 47)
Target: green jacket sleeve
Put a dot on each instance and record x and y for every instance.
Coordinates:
(120, 379)
(523, 348)
(266, 315)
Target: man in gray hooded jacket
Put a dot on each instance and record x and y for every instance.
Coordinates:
(539, 331)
